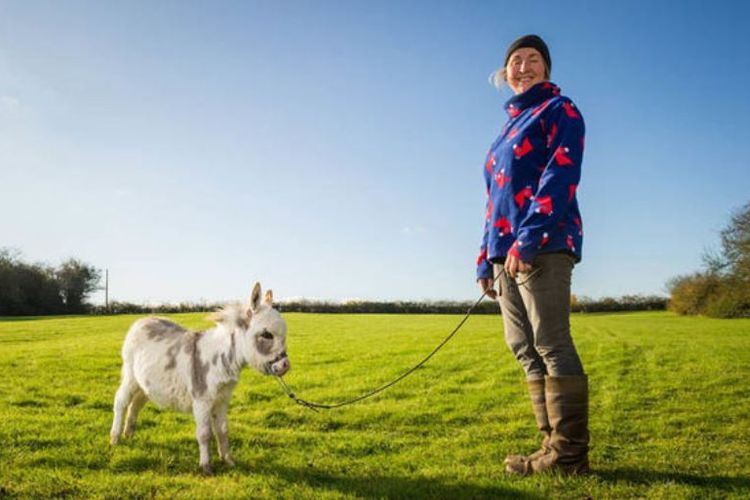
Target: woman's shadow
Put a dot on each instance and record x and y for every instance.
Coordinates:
(383, 486)
(725, 484)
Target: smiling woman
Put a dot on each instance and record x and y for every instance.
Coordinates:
(527, 64)
(525, 69)
(533, 231)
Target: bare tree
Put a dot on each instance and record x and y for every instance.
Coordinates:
(735, 242)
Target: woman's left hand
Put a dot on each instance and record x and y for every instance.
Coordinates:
(514, 265)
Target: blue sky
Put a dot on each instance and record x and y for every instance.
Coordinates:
(334, 149)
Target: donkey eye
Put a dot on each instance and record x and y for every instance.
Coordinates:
(266, 335)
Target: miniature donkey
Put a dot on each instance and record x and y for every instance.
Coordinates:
(197, 371)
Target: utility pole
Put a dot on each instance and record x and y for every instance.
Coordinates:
(106, 290)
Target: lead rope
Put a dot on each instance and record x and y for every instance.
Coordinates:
(315, 406)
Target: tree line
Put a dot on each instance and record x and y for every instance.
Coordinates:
(582, 304)
(38, 289)
(720, 289)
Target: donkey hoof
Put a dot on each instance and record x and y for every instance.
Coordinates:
(206, 470)
(113, 439)
(228, 460)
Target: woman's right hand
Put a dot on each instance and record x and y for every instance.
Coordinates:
(485, 284)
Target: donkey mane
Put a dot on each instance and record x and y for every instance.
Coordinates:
(231, 315)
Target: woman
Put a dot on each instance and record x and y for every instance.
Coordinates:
(532, 239)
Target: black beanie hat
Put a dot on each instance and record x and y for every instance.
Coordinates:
(531, 41)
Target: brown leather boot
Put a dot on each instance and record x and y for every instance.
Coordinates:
(567, 409)
(536, 394)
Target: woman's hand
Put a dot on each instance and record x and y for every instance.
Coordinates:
(514, 265)
(485, 284)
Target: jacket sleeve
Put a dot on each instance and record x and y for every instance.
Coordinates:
(558, 182)
(484, 266)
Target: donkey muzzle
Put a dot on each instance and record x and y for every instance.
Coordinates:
(279, 365)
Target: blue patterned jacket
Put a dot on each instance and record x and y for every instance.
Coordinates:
(532, 172)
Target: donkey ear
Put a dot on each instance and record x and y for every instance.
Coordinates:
(268, 297)
(255, 297)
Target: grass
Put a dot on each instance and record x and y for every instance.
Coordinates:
(670, 404)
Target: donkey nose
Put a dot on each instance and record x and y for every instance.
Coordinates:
(281, 367)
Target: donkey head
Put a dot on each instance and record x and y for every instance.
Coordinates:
(267, 333)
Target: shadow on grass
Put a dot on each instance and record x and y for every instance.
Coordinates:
(386, 486)
(641, 476)
(135, 464)
(29, 403)
(99, 405)
(73, 463)
(39, 318)
(37, 444)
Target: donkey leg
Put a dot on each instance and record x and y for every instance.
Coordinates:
(221, 431)
(122, 400)
(202, 415)
(136, 404)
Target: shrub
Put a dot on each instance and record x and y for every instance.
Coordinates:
(710, 294)
(690, 294)
(619, 304)
(731, 300)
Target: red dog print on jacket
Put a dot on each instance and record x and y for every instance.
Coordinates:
(551, 87)
(572, 192)
(522, 150)
(545, 240)
(544, 205)
(490, 165)
(523, 195)
(561, 156)
(482, 256)
(570, 110)
(501, 178)
(503, 224)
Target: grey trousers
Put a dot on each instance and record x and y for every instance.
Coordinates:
(536, 317)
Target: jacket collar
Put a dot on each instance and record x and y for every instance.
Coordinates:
(532, 97)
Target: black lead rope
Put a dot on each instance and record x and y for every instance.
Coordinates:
(316, 406)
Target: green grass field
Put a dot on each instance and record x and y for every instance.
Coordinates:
(670, 413)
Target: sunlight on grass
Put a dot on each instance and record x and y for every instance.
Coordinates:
(669, 413)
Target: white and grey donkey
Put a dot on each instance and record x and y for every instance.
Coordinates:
(197, 371)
